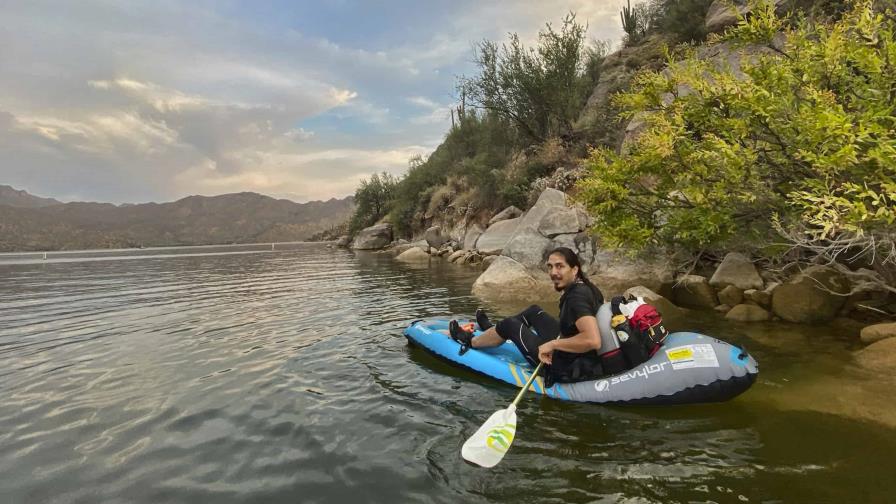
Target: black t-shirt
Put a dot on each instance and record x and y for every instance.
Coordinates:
(578, 301)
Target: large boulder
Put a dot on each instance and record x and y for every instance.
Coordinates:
(748, 313)
(435, 237)
(730, 295)
(663, 305)
(505, 279)
(456, 255)
(614, 273)
(548, 224)
(580, 243)
(420, 243)
(510, 212)
(805, 298)
(694, 291)
(414, 254)
(549, 199)
(473, 233)
(488, 260)
(493, 240)
(585, 219)
(343, 241)
(879, 356)
(560, 220)
(737, 270)
(724, 13)
(760, 297)
(528, 248)
(527, 245)
(877, 332)
(374, 237)
(403, 247)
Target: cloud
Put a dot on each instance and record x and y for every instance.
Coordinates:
(330, 171)
(342, 96)
(424, 102)
(157, 100)
(437, 113)
(162, 99)
(299, 134)
(103, 134)
(364, 111)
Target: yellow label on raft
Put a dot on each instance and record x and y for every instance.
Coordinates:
(684, 353)
(692, 356)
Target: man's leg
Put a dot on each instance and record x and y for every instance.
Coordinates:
(489, 338)
(518, 329)
(542, 323)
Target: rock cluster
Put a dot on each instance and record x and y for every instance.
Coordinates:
(550, 223)
(511, 250)
(817, 294)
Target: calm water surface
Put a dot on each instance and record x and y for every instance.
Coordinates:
(200, 375)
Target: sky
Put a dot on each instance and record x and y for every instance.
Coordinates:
(129, 102)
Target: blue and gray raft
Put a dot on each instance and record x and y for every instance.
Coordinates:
(688, 368)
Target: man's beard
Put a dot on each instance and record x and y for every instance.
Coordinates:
(556, 285)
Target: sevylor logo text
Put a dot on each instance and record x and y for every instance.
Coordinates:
(644, 372)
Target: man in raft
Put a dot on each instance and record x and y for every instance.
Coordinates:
(570, 358)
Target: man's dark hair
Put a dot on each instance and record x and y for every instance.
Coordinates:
(572, 259)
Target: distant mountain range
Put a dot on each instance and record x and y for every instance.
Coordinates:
(31, 223)
(18, 198)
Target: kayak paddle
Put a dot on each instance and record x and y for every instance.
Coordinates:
(487, 446)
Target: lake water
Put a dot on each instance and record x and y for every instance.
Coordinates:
(201, 375)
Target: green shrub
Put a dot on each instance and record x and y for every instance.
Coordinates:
(539, 90)
(807, 139)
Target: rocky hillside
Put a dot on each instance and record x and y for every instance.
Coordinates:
(195, 220)
(17, 198)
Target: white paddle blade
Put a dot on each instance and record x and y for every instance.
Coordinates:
(489, 444)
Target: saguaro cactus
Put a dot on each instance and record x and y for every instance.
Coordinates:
(630, 21)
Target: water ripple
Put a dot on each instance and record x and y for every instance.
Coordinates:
(283, 377)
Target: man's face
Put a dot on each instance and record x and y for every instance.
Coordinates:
(562, 275)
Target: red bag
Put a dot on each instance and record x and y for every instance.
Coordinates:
(647, 320)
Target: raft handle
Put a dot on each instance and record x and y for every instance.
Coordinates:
(743, 351)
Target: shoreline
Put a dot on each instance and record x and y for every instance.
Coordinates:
(154, 247)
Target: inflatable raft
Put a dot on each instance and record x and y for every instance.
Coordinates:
(688, 368)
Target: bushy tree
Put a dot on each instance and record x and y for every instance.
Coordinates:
(373, 198)
(685, 20)
(805, 137)
(541, 89)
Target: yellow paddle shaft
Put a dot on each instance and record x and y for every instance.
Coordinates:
(528, 384)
